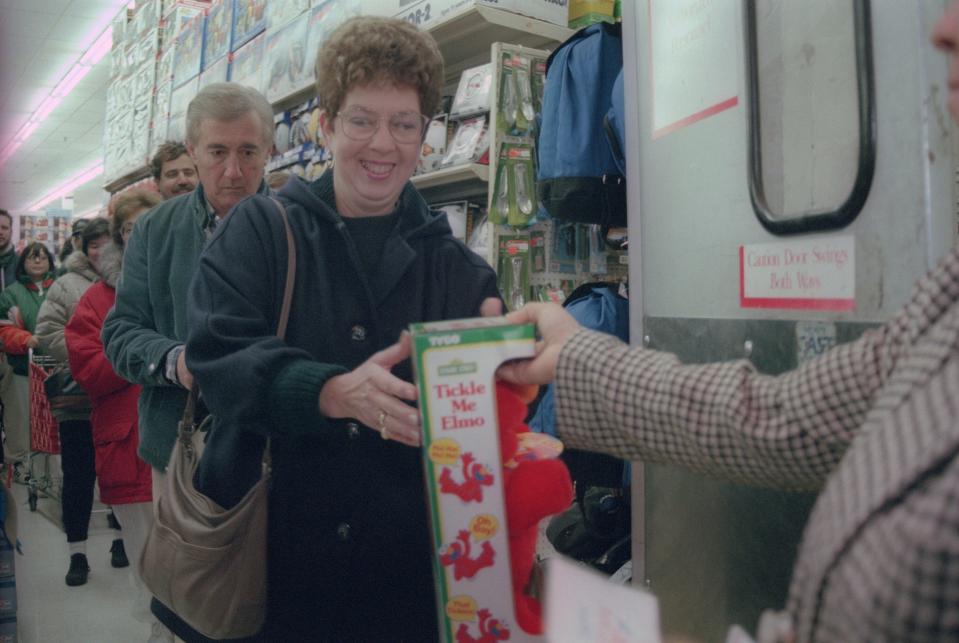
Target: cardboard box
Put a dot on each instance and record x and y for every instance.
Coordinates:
(249, 19)
(189, 51)
(455, 363)
(174, 22)
(287, 70)
(216, 39)
(247, 66)
(215, 72)
(280, 12)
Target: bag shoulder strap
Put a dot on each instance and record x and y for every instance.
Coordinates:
(186, 427)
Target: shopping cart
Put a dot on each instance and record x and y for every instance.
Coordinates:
(44, 435)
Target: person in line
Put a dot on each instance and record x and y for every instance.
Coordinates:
(71, 245)
(173, 170)
(873, 424)
(123, 477)
(349, 544)
(19, 305)
(76, 437)
(229, 138)
(8, 253)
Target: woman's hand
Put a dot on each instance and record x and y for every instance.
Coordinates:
(374, 396)
(555, 326)
(33, 342)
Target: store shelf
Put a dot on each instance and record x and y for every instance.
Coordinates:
(129, 178)
(464, 38)
(294, 99)
(454, 182)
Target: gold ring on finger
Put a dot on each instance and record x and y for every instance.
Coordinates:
(381, 420)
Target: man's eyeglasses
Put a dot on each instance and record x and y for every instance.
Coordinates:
(405, 127)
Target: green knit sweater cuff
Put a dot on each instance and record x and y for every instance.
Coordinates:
(295, 395)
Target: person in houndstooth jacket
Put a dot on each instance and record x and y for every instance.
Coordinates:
(873, 423)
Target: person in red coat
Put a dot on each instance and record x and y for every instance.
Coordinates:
(125, 480)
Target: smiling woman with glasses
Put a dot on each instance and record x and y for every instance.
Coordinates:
(349, 545)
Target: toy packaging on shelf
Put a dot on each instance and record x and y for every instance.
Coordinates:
(469, 144)
(164, 73)
(249, 20)
(473, 93)
(161, 111)
(147, 48)
(455, 363)
(281, 132)
(287, 70)
(145, 17)
(458, 215)
(189, 51)
(144, 79)
(215, 72)
(174, 22)
(280, 12)
(434, 145)
(246, 66)
(324, 18)
(117, 62)
(179, 101)
(120, 24)
(140, 141)
(479, 238)
(216, 39)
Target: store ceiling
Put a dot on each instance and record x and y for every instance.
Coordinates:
(39, 41)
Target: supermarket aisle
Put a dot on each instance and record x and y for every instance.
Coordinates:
(48, 610)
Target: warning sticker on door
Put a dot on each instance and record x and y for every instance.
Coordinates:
(817, 274)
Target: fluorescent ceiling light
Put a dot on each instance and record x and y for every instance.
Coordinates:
(81, 178)
(89, 214)
(91, 56)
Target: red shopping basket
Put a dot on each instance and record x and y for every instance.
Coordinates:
(44, 436)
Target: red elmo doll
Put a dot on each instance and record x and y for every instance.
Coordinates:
(534, 488)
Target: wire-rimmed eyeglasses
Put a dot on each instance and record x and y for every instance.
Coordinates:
(405, 127)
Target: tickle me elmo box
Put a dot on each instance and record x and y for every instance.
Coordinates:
(455, 363)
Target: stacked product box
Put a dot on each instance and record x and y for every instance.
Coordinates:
(130, 96)
(287, 70)
(280, 12)
(246, 64)
(249, 21)
(175, 19)
(455, 364)
(179, 101)
(186, 75)
(216, 39)
(189, 51)
(216, 72)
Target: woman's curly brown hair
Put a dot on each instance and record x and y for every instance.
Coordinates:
(370, 50)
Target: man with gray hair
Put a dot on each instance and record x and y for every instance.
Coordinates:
(229, 138)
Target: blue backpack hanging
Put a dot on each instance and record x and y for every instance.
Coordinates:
(579, 178)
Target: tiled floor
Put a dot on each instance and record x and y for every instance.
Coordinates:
(50, 612)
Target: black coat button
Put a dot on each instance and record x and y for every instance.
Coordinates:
(353, 430)
(358, 333)
(343, 531)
